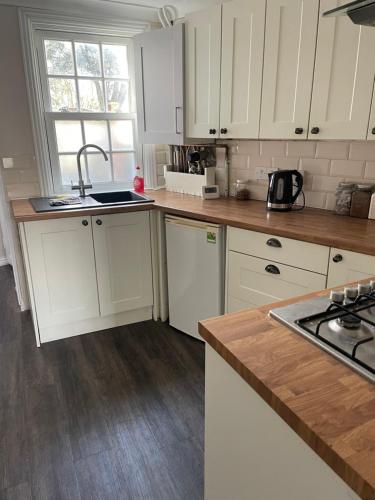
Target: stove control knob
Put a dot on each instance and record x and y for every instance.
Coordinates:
(351, 293)
(337, 296)
(364, 288)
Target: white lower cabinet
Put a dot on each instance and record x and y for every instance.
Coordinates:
(88, 273)
(251, 451)
(123, 261)
(62, 268)
(254, 282)
(345, 266)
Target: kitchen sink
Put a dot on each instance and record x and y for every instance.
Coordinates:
(120, 197)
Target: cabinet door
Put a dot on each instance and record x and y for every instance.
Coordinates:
(159, 79)
(345, 266)
(62, 267)
(241, 68)
(252, 283)
(343, 78)
(202, 59)
(123, 261)
(291, 27)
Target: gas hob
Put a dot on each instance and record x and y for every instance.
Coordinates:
(342, 324)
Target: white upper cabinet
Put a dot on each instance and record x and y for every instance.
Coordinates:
(123, 261)
(343, 78)
(241, 68)
(202, 63)
(291, 28)
(159, 63)
(62, 267)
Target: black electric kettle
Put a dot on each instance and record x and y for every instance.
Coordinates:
(284, 186)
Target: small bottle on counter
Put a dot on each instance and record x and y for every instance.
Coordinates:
(344, 193)
(241, 190)
(361, 199)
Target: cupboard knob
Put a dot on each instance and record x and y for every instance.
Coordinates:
(99, 222)
(338, 258)
(85, 222)
(373, 131)
(315, 130)
(272, 269)
(223, 130)
(212, 131)
(298, 130)
(274, 242)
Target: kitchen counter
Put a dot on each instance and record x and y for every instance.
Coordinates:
(331, 407)
(312, 225)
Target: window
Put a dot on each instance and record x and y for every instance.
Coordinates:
(88, 98)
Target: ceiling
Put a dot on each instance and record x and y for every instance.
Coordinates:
(136, 9)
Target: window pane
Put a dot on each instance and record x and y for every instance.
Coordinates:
(123, 167)
(69, 172)
(99, 169)
(63, 94)
(115, 60)
(88, 59)
(96, 132)
(117, 96)
(122, 134)
(91, 95)
(69, 136)
(59, 57)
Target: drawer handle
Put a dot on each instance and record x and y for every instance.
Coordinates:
(298, 130)
(338, 258)
(272, 269)
(315, 130)
(273, 242)
(85, 222)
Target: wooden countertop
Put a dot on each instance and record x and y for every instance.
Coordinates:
(331, 407)
(312, 225)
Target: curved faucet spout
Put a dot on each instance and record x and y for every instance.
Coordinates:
(81, 185)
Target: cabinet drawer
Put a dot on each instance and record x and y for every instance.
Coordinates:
(251, 282)
(284, 250)
(345, 266)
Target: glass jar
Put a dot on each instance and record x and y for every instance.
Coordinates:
(361, 199)
(344, 193)
(241, 190)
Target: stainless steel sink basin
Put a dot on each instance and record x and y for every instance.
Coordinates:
(120, 198)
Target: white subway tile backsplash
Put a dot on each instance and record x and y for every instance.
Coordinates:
(240, 161)
(362, 151)
(250, 148)
(285, 163)
(315, 165)
(332, 150)
(330, 201)
(325, 183)
(272, 148)
(347, 168)
(301, 149)
(370, 170)
(315, 199)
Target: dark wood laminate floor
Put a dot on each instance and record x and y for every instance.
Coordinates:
(111, 415)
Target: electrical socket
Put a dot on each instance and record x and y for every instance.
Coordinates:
(261, 173)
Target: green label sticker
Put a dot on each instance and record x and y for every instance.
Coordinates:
(211, 237)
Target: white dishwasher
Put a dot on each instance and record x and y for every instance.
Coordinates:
(195, 263)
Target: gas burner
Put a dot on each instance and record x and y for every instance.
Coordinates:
(349, 322)
(343, 324)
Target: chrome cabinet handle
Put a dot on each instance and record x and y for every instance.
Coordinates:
(338, 258)
(99, 222)
(85, 222)
(272, 269)
(274, 242)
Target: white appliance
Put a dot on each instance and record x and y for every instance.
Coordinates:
(195, 263)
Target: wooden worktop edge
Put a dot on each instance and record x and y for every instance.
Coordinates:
(317, 444)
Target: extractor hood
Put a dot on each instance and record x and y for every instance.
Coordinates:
(360, 12)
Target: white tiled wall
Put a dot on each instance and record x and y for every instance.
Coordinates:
(162, 154)
(21, 181)
(324, 165)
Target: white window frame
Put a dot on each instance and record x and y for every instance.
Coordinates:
(33, 26)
